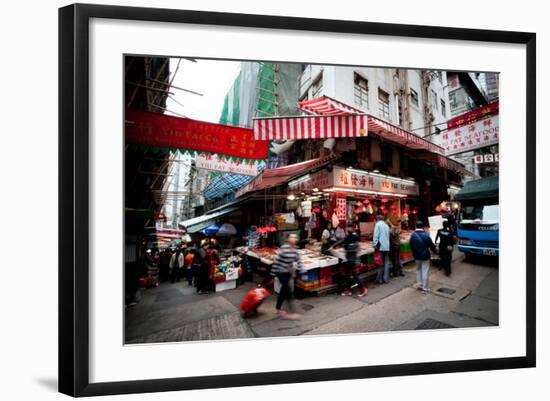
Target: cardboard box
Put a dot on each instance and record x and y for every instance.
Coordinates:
(226, 285)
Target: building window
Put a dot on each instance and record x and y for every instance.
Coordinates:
(361, 91)
(443, 108)
(434, 100)
(414, 97)
(383, 104)
(453, 101)
(317, 87)
(440, 77)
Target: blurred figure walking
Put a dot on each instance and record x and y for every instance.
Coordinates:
(421, 244)
(287, 261)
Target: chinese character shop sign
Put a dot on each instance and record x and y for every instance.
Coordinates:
(221, 163)
(163, 131)
(358, 180)
(478, 134)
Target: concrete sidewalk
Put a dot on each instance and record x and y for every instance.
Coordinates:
(174, 312)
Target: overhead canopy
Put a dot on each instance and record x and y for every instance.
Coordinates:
(277, 176)
(196, 224)
(310, 127)
(398, 135)
(334, 119)
(441, 161)
(485, 188)
(225, 184)
(326, 106)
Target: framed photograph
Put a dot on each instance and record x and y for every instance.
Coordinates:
(277, 200)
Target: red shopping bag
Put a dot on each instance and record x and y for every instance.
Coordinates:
(378, 259)
(253, 299)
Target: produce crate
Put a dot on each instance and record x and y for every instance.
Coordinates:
(309, 276)
(406, 247)
(307, 286)
(325, 281)
(325, 272)
(226, 285)
(406, 256)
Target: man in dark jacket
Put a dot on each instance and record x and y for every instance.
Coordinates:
(421, 244)
(446, 245)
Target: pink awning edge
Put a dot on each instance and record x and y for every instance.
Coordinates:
(310, 127)
(325, 106)
(397, 134)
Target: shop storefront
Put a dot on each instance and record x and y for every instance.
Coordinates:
(336, 195)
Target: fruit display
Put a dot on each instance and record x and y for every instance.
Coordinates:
(228, 269)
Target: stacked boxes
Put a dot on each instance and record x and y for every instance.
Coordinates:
(370, 262)
(308, 280)
(325, 276)
(405, 252)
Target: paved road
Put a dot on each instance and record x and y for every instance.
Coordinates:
(468, 298)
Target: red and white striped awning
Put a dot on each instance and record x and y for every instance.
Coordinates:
(310, 127)
(327, 106)
(396, 134)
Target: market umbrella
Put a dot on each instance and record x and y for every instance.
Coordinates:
(226, 230)
(212, 230)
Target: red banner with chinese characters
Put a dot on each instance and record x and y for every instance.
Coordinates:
(474, 115)
(163, 131)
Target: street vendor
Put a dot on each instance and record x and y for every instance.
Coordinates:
(340, 233)
(328, 238)
(253, 238)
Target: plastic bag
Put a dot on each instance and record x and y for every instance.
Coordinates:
(378, 259)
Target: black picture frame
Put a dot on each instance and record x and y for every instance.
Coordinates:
(74, 198)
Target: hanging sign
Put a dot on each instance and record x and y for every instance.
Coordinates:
(486, 158)
(221, 163)
(469, 137)
(363, 180)
(163, 131)
(341, 208)
(319, 180)
(474, 115)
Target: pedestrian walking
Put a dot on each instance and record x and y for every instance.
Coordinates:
(211, 258)
(174, 266)
(381, 242)
(197, 267)
(446, 240)
(395, 249)
(287, 260)
(164, 264)
(421, 244)
(189, 256)
(351, 246)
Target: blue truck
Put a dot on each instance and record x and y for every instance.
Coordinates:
(479, 218)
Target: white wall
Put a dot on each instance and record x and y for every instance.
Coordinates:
(338, 83)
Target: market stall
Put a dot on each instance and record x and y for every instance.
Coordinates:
(357, 196)
(338, 196)
(227, 273)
